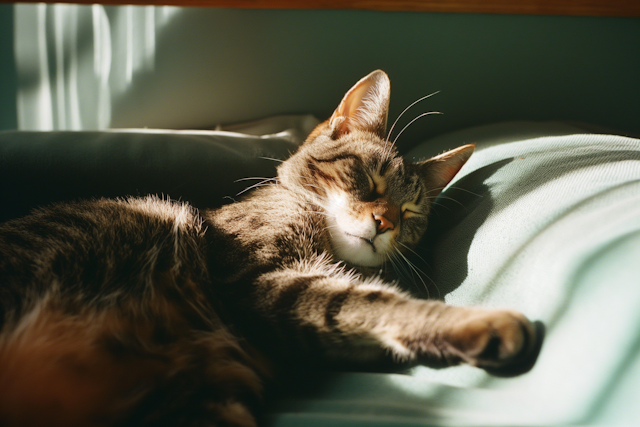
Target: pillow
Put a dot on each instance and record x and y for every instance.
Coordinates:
(544, 219)
(205, 168)
(549, 225)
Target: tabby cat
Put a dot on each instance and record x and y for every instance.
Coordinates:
(144, 312)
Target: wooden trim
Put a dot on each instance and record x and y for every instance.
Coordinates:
(628, 8)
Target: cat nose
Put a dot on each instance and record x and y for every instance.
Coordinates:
(382, 223)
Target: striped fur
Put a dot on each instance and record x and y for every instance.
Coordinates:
(144, 312)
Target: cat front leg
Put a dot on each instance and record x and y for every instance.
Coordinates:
(437, 334)
(348, 321)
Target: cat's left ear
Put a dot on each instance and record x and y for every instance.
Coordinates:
(364, 107)
(439, 171)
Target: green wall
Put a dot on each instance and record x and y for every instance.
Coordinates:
(8, 118)
(222, 65)
(241, 64)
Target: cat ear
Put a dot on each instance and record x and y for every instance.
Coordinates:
(440, 170)
(364, 107)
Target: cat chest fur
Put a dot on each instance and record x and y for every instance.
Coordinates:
(273, 227)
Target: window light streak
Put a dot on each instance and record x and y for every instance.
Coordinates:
(74, 100)
(166, 13)
(128, 73)
(102, 53)
(58, 27)
(149, 37)
(44, 115)
(86, 82)
(34, 101)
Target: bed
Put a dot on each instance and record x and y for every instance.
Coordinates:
(544, 218)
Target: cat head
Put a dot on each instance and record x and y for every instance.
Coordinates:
(376, 203)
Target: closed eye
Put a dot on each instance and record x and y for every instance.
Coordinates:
(410, 210)
(372, 185)
(407, 213)
(377, 187)
(371, 194)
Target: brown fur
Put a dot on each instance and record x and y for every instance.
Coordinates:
(144, 312)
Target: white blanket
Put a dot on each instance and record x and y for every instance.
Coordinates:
(544, 219)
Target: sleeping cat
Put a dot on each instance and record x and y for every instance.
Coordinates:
(144, 312)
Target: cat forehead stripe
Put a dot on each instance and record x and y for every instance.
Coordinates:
(341, 156)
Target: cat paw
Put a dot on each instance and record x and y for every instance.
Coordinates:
(495, 340)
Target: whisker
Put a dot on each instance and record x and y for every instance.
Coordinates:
(453, 187)
(412, 251)
(259, 184)
(436, 189)
(253, 187)
(451, 199)
(407, 125)
(403, 258)
(256, 177)
(396, 266)
(402, 265)
(404, 111)
(439, 205)
(416, 270)
(271, 158)
(425, 263)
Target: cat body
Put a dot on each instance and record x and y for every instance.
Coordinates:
(142, 311)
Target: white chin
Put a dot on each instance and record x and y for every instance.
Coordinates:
(355, 250)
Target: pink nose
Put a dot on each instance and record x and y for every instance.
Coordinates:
(382, 223)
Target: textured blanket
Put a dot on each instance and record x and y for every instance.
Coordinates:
(544, 218)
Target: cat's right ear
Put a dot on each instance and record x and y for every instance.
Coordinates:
(364, 107)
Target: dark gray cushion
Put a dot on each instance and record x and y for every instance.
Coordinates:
(200, 167)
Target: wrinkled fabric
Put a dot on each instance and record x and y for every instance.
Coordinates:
(543, 218)
(205, 168)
